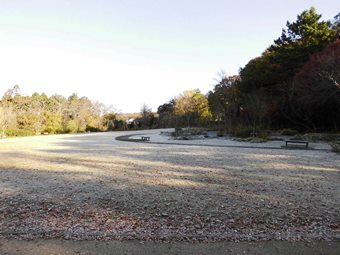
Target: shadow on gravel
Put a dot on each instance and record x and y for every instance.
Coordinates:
(93, 187)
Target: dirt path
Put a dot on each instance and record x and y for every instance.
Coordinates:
(59, 247)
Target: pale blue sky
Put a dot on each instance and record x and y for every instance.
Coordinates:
(130, 52)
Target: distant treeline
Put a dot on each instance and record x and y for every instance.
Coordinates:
(36, 114)
(293, 84)
(22, 115)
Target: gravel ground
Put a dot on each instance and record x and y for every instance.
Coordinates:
(157, 137)
(71, 247)
(92, 187)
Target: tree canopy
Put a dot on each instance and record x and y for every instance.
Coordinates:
(273, 72)
(36, 114)
(193, 106)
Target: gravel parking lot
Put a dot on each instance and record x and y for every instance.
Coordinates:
(93, 187)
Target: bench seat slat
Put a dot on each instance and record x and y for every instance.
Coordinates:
(145, 138)
(297, 141)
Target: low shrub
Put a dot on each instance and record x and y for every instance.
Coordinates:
(191, 131)
(335, 146)
(299, 137)
(92, 129)
(241, 131)
(288, 131)
(328, 137)
(19, 132)
(263, 134)
(251, 140)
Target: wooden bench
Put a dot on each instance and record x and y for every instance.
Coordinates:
(297, 142)
(145, 138)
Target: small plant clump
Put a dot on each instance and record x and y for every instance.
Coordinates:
(335, 146)
(241, 131)
(288, 131)
(189, 133)
(328, 137)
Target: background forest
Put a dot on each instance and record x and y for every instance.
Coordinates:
(294, 84)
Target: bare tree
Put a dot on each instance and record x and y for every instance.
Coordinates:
(147, 116)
